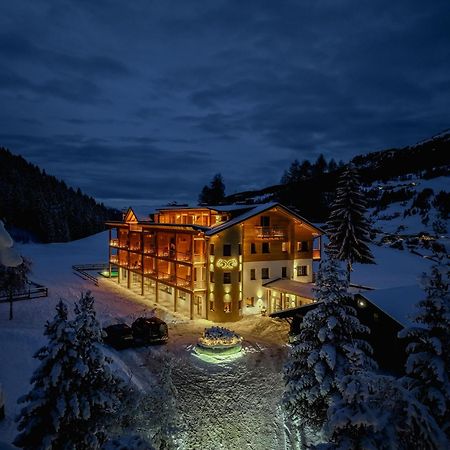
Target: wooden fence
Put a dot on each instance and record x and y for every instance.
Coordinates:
(34, 291)
(83, 271)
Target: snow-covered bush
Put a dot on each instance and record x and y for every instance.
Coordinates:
(219, 336)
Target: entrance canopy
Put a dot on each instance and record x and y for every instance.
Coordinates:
(304, 290)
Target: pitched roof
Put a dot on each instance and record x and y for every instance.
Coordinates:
(258, 209)
(399, 303)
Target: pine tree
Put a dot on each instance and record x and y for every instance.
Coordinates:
(347, 227)
(214, 194)
(327, 348)
(376, 412)
(428, 362)
(52, 404)
(320, 166)
(100, 390)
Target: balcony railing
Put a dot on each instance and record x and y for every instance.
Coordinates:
(275, 233)
(116, 243)
(181, 256)
(199, 285)
(199, 258)
(149, 250)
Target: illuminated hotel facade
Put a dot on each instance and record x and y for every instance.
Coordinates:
(217, 263)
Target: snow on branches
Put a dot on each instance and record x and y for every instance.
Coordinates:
(328, 347)
(428, 363)
(74, 393)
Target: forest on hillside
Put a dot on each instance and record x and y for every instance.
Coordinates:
(310, 186)
(40, 207)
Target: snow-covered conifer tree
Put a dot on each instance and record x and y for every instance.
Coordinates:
(347, 227)
(328, 347)
(51, 405)
(376, 412)
(428, 362)
(100, 389)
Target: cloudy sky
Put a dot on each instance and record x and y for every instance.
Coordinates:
(141, 102)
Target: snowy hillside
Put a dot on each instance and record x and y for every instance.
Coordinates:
(411, 213)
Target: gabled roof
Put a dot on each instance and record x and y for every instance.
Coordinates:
(258, 209)
(130, 216)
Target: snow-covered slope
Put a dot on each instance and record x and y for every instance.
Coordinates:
(411, 213)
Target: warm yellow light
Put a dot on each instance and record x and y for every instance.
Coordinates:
(227, 263)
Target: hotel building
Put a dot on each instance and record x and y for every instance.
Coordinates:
(217, 263)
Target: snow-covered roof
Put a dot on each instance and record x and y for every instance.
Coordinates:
(229, 208)
(292, 287)
(220, 208)
(398, 303)
(253, 212)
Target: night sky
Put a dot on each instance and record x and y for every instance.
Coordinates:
(141, 102)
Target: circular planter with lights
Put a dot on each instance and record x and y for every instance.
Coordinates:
(218, 341)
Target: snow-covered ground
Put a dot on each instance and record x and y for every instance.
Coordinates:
(234, 404)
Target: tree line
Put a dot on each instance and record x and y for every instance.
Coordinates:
(37, 206)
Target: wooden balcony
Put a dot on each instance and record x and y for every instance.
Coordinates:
(117, 244)
(200, 285)
(271, 233)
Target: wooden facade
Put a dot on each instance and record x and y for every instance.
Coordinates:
(210, 263)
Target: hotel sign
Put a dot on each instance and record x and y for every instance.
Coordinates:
(227, 263)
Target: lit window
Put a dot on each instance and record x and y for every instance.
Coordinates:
(285, 246)
(227, 307)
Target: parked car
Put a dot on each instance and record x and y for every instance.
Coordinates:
(150, 330)
(119, 336)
